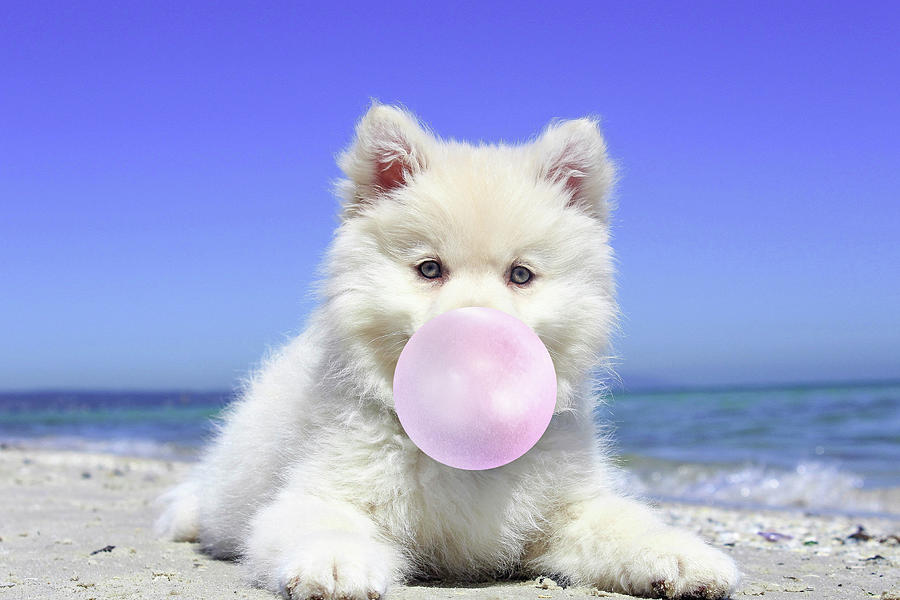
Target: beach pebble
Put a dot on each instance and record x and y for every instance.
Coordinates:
(774, 536)
(860, 535)
(728, 538)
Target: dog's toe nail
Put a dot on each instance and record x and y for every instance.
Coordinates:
(661, 588)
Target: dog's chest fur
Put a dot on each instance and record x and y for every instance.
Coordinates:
(461, 520)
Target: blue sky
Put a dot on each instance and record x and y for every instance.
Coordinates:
(165, 173)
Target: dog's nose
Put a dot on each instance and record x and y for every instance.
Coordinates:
(474, 291)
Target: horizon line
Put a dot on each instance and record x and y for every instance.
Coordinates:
(620, 389)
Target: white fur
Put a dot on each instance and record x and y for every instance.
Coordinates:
(312, 481)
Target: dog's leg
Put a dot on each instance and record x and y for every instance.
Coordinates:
(305, 547)
(620, 545)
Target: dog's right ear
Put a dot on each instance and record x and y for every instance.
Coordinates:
(390, 149)
(573, 154)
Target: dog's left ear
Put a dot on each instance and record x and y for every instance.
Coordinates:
(573, 154)
(390, 148)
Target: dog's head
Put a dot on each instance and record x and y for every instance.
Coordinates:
(430, 225)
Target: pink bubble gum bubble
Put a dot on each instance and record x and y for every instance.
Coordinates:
(474, 388)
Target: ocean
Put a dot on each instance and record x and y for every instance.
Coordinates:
(815, 448)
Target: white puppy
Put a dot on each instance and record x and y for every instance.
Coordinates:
(312, 481)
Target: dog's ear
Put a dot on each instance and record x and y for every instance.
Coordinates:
(390, 148)
(573, 154)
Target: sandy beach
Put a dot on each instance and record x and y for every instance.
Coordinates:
(77, 525)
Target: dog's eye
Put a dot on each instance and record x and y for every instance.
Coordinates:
(520, 275)
(430, 269)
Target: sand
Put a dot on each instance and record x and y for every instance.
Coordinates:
(76, 525)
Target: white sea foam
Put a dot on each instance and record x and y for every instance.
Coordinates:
(810, 486)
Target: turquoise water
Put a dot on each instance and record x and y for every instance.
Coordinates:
(813, 447)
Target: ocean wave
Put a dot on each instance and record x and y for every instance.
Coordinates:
(812, 486)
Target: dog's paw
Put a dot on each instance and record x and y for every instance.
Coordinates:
(336, 566)
(679, 565)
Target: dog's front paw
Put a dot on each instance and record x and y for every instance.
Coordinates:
(675, 564)
(337, 566)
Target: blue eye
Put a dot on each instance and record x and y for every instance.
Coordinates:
(520, 275)
(430, 269)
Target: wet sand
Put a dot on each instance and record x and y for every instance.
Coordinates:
(77, 525)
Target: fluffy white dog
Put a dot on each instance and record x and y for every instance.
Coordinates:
(312, 481)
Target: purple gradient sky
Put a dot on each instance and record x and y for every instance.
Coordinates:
(165, 172)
